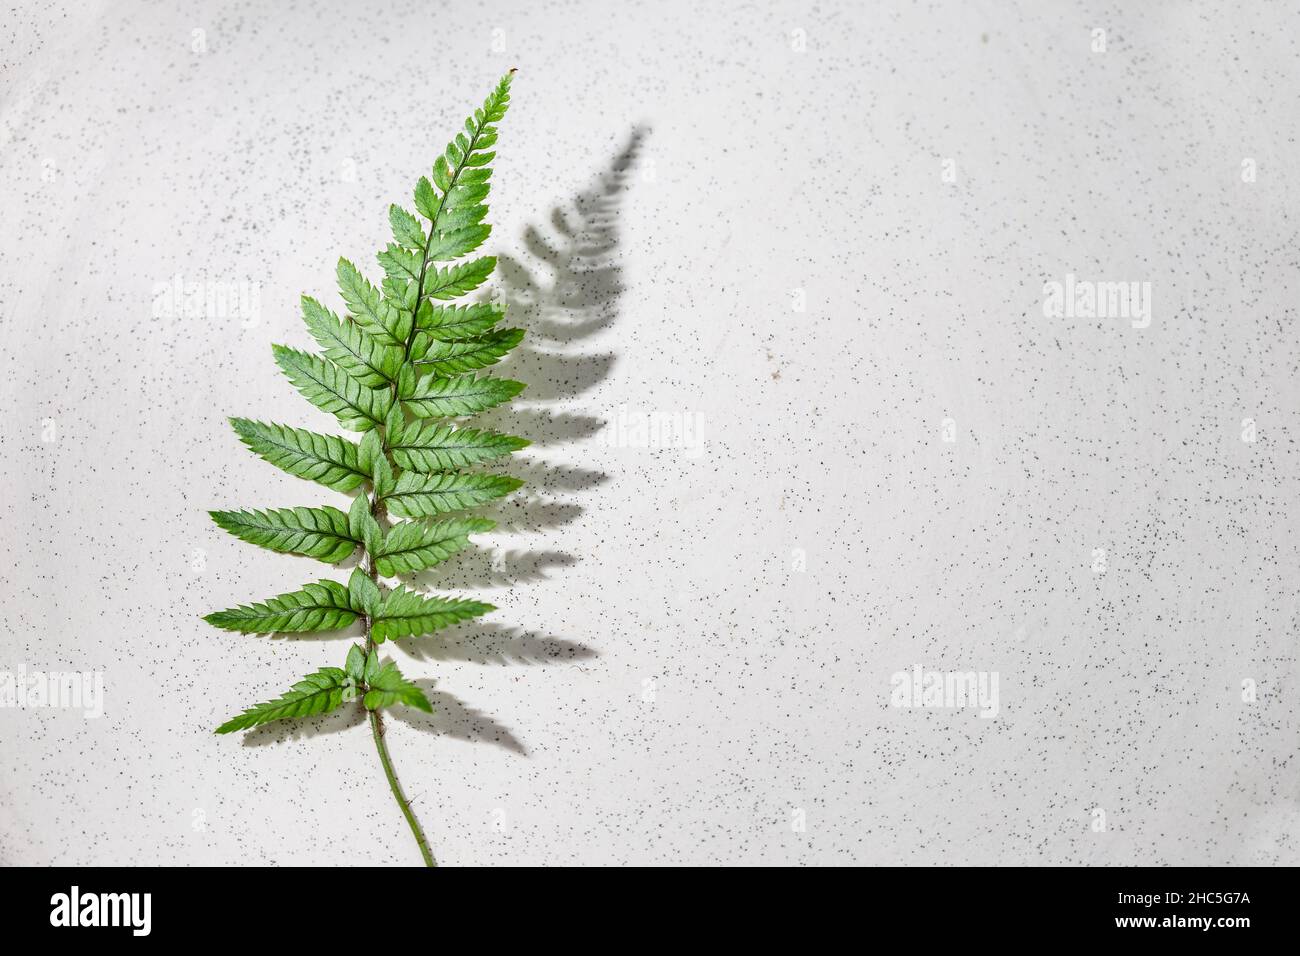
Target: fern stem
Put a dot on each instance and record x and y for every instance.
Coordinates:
(376, 726)
(396, 787)
(377, 509)
(379, 512)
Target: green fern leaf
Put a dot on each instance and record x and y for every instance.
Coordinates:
(430, 447)
(452, 358)
(372, 446)
(388, 687)
(438, 396)
(362, 524)
(382, 479)
(412, 546)
(458, 280)
(375, 314)
(323, 606)
(401, 265)
(364, 593)
(447, 323)
(370, 362)
(406, 228)
(320, 533)
(407, 614)
(458, 242)
(327, 387)
(426, 496)
(461, 217)
(316, 693)
(355, 666)
(426, 200)
(326, 459)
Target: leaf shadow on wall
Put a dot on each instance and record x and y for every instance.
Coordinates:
(568, 289)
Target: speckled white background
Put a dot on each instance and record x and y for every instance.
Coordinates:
(707, 168)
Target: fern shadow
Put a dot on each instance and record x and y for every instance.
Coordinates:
(553, 478)
(490, 568)
(542, 426)
(491, 643)
(453, 718)
(570, 289)
(567, 289)
(283, 731)
(552, 376)
(529, 511)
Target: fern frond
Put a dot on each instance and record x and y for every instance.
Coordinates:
(396, 352)
(327, 459)
(323, 606)
(406, 613)
(415, 545)
(441, 396)
(425, 496)
(315, 694)
(320, 533)
(327, 387)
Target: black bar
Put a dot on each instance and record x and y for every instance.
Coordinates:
(1220, 906)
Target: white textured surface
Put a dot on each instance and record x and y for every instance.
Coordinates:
(127, 158)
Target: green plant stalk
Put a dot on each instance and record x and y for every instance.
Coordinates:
(376, 723)
(377, 731)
